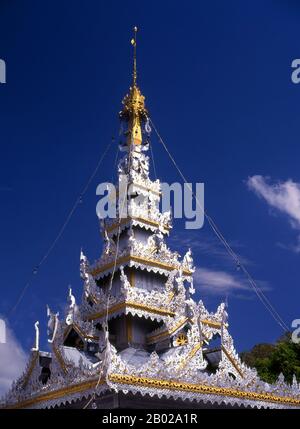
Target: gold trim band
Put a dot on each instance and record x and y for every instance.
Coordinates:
(33, 362)
(138, 259)
(166, 333)
(229, 357)
(138, 219)
(159, 384)
(211, 323)
(123, 305)
(201, 388)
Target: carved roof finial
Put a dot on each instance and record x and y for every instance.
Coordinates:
(133, 42)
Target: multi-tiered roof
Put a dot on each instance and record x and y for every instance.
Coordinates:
(137, 330)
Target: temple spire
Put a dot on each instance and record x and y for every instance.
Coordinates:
(134, 112)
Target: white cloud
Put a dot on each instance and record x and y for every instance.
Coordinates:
(283, 196)
(293, 247)
(12, 361)
(218, 282)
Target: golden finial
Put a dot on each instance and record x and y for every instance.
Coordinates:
(134, 111)
(133, 42)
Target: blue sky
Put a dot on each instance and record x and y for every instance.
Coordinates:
(216, 76)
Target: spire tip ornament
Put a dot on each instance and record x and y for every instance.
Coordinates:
(133, 42)
(134, 111)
